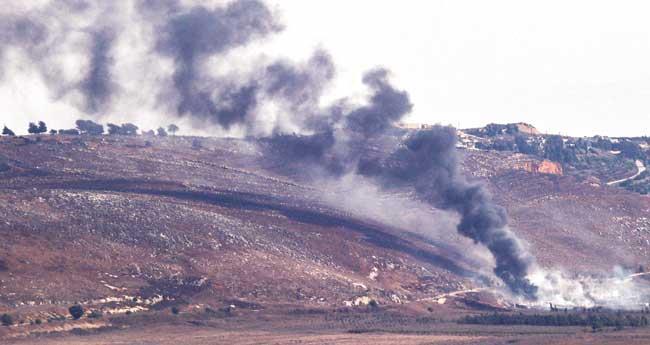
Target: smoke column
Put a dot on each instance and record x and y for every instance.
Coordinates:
(98, 85)
(429, 160)
(334, 138)
(193, 36)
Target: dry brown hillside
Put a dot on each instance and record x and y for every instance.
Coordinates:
(134, 223)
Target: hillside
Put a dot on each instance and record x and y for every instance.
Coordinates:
(123, 223)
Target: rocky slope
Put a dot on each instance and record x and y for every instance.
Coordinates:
(120, 223)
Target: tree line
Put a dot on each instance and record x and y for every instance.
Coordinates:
(89, 127)
(594, 320)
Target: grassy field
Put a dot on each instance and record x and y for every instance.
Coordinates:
(330, 327)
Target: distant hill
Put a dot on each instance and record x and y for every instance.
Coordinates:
(599, 159)
(132, 223)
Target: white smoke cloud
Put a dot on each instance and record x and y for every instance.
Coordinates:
(618, 289)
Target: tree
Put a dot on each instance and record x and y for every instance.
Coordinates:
(89, 127)
(37, 128)
(524, 147)
(124, 129)
(555, 150)
(7, 131)
(53, 131)
(631, 150)
(129, 129)
(33, 128)
(114, 129)
(172, 129)
(76, 311)
(162, 132)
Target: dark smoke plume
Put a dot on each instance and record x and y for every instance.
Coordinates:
(342, 133)
(341, 136)
(191, 37)
(98, 86)
(300, 88)
(387, 106)
(429, 160)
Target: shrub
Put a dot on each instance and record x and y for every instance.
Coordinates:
(373, 304)
(33, 128)
(89, 127)
(124, 129)
(129, 129)
(69, 131)
(175, 310)
(7, 131)
(6, 319)
(38, 321)
(95, 314)
(76, 311)
(162, 132)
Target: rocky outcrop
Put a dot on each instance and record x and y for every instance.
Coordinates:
(541, 167)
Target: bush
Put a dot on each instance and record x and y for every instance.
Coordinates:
(7, 131)
(69, 131)
(38, 321)
(37, 129)
(124, 129)
(175, 310)
(6, 319)
(89, 127)
(162, 132)
(76, 311)
(95, 314)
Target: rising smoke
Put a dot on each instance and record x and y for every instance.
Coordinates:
(98, 86)
(333, 138)
(429, 160)
(190, 37)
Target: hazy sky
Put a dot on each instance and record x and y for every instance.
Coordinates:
(570, 67)
(575, 67)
